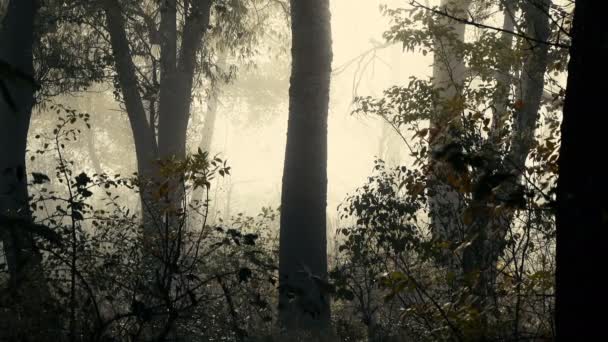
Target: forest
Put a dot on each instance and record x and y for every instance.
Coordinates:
(303, 170)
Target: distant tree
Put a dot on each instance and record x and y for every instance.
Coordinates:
(582, 210)
(162, 52)
(303, 298)
(489, 93)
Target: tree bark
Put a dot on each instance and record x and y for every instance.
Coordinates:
(532, 83)
(212, 108)
(177, 78)
(169, 140)
(445, 204)
(303, 240)
(582, 209)
(481, 256)
(503, 76)
(27, 282)
(16, 39)
(146, 148)
(173, 118)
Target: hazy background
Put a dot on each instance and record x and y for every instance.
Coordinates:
(250, 131)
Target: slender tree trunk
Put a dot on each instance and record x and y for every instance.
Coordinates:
(173, 118)
(527, 115)
(146, 148)
(90, 141)
(177, 78)
(532, 83)
(303, 240)
(582, 209)
(93, 154)
(212, 109)
(481, 256)
(503, 76)
(209, 124)
(210, 117)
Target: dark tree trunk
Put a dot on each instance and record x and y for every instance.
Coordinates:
(16, 40)
(166, 142)
(145, 143)
(173, 117)
(146, 148)
(303, 240)
(29, 290)
(177, 78)
(582, 208)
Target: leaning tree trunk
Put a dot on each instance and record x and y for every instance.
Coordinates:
(27, 283)
(146, 148)
(522, 138)
(481, 256)
(303, 239)
(503, 76)
(532, 83)
(582, 209)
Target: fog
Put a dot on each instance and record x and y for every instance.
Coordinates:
(250, 132)
(158, 137)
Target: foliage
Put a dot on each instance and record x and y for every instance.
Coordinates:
(391, 270)
(209, 281)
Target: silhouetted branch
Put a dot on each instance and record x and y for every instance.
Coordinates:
(445, 13)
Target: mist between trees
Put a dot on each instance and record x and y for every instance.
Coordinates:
(302, 170)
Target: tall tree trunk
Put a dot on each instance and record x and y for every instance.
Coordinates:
(92, 151)
(303, 240)
(582, 209)
(481, 256)
(177, 78)
(90, 140)
(212, 107)
(532, 83)
(445, 203)
(503, 76)
(16, 39)
(173, 118)
(28, 286)
(209, 119)
(169, 117)
(146, 148)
